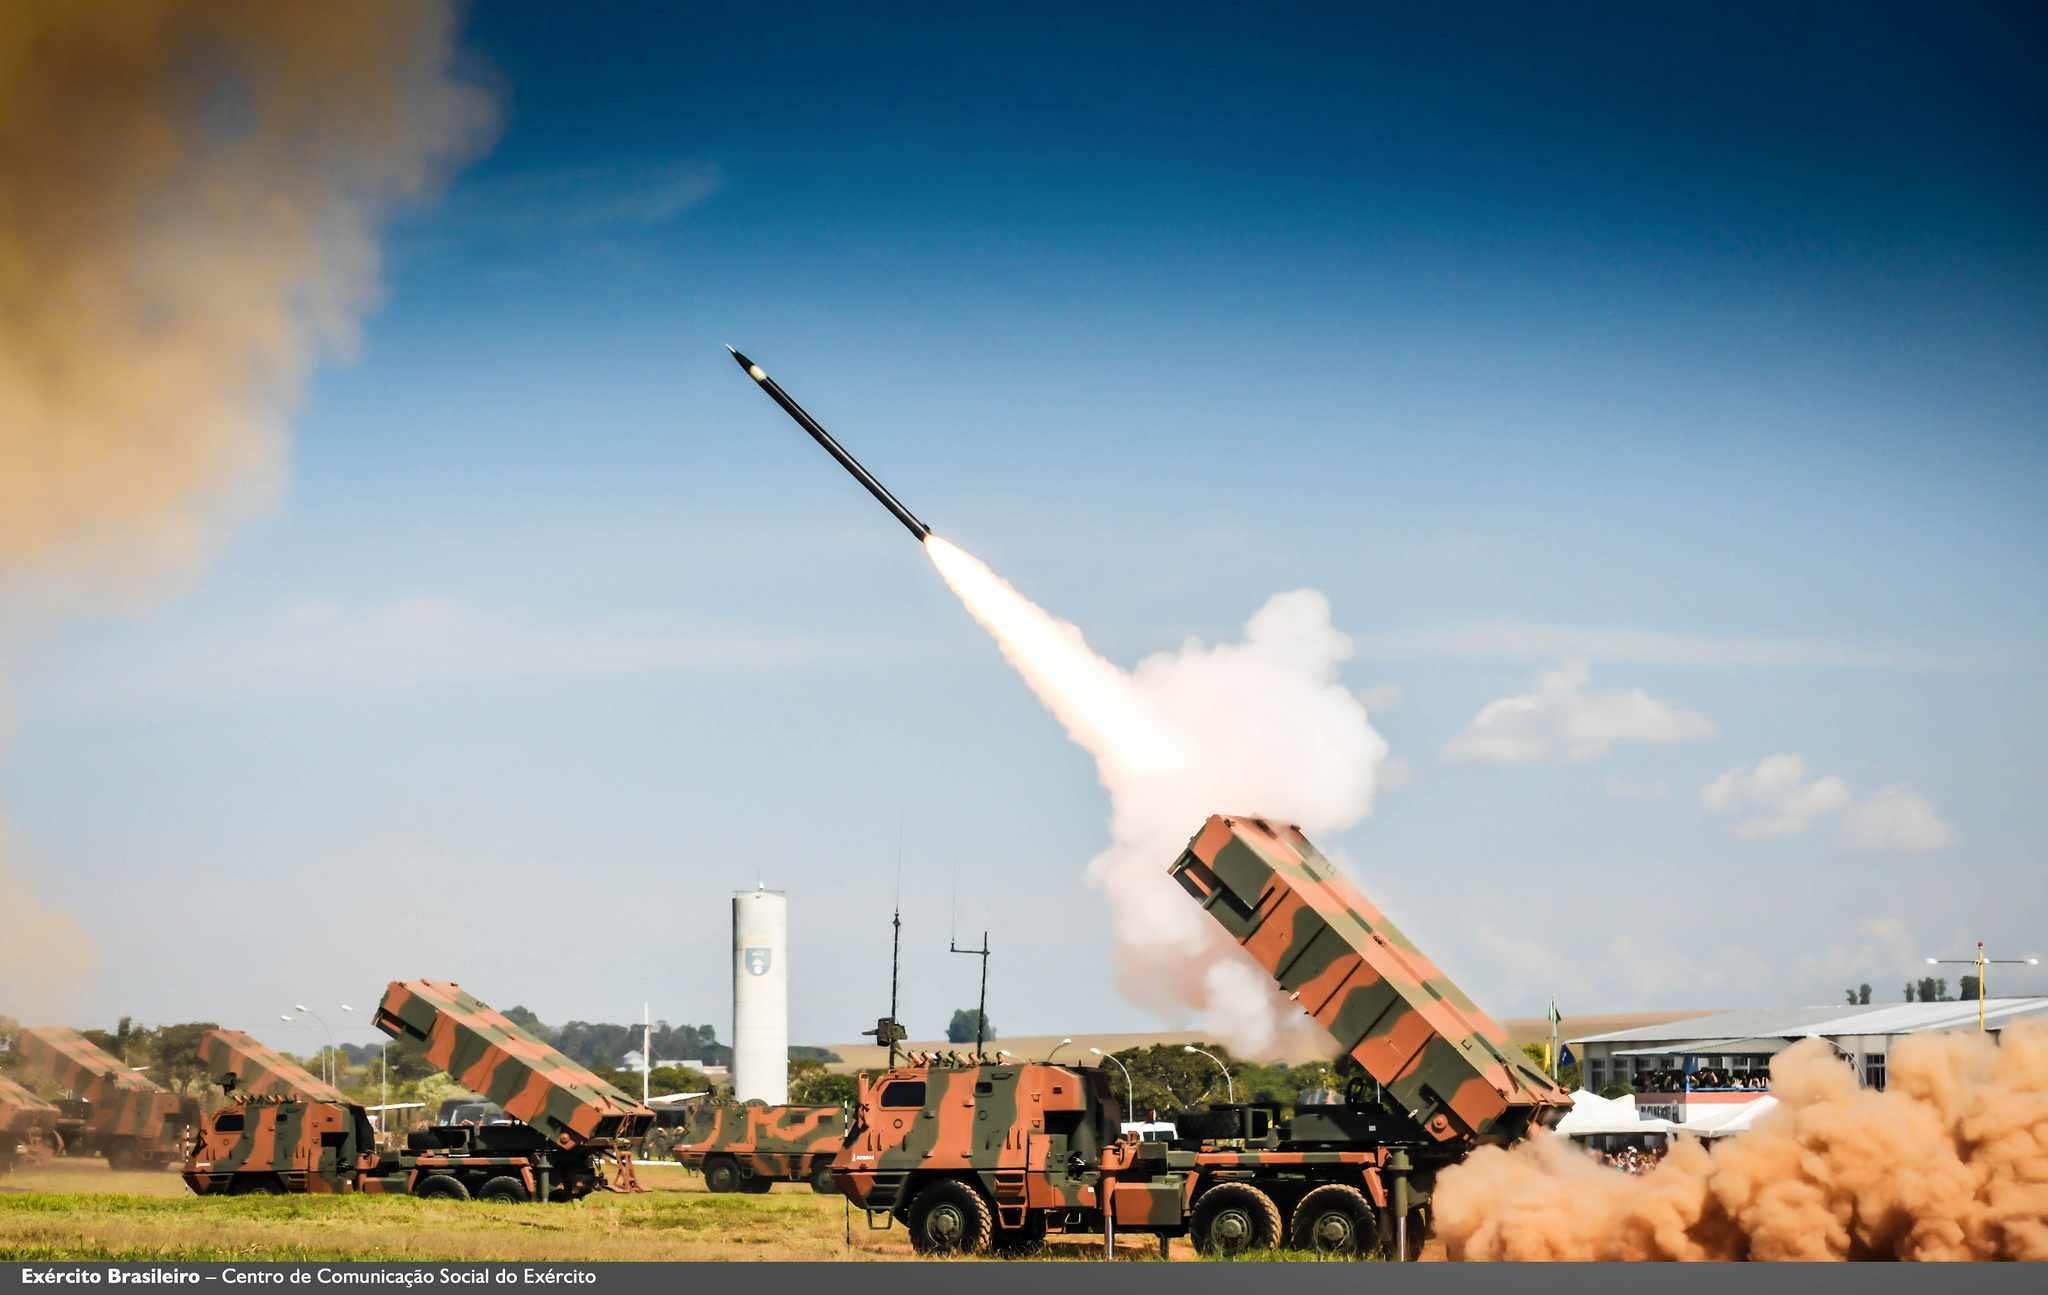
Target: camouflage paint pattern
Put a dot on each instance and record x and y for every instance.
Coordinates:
(1445, 1062)
(26, 1119)
(489, 1055)
(782, 1143)
(126, 1106)
(308, 1146)
(239, 1064)
(1031, 1137)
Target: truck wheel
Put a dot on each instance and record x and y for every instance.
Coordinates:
(122, 1156)
(505, 1190)
(821, 1179)
(1333, 1220)
(256, 1185)
(949, 1217)
(442, 1187)
(755, 1185)
(1234, 1219)
(721, 1176)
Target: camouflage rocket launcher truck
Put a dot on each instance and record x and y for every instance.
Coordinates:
(745, 1148)
(239, 1064)
(999, 1156)
(28, 1126)
(565, 1125)
(114, 1111)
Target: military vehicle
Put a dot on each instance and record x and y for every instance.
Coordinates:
(998, 1156)
(28, 1126)
(748, 1148)
(239, 1064)
(114, 1110)
(570, 1133)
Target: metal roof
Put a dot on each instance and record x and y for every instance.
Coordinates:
(1806, 1022)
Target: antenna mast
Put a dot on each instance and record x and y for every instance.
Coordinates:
(981, 1011)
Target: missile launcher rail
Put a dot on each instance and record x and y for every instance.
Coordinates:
(1443, 1061)
(239, 1064)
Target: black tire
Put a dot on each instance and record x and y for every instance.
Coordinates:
(505, 1190)
(821, 1179)
(721, 1175)
(1334, 1221)
(1235, 1219)
(256, 1185)
(1016, 1243)
(949, 1217)
(441, 1187)
(123, 1156)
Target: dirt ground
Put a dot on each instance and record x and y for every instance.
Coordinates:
(83, 1210)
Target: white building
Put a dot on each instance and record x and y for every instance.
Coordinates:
(1733, 1050)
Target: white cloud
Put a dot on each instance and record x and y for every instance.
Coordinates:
(1887, 951)
(1897, 818)
(1559, 715)
(1777, 798)
(1381, 698)
(1514, 639)
(1621, 789)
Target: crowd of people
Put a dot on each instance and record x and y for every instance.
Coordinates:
(1628, 1160)
(1677, 1081)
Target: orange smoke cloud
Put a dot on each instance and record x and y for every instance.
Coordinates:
(189, 191)
(1949, 1162)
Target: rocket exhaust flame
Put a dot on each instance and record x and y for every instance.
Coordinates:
(1262, 726)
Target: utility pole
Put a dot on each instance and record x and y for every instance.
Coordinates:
(646, 1051)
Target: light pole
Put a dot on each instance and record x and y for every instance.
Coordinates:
(1056, 1050)
(1982, 962)
(387, 1085)
(328, 1056)
(1130, 1090)
(1229, 1086)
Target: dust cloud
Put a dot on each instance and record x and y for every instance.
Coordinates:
(1950, 1161)
(190, 193)
(1261, 726)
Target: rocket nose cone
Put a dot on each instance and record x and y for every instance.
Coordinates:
(743, 361)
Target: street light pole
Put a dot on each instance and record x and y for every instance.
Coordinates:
(1229, 1086)
(1056, 1050)
(325, 1073)
(1982, 962)
(1130, 1090)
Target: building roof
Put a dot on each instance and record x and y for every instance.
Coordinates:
(1804, 1022)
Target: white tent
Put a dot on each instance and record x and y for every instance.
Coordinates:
(1592, 1113)
(1729, 1119)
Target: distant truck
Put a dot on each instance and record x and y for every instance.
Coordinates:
(239, 1064)
(570, 1133)
(749, 1148)
(114, 1110)
(998, 1156)
(28, 1126)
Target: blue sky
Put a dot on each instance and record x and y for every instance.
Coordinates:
(1704, 346)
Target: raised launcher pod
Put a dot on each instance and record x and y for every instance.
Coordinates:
(1444, 1061)
(239, 1064)
(488, 1054)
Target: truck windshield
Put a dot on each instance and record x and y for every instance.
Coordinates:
(904, 1092)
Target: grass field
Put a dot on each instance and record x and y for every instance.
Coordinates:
(83, 1210)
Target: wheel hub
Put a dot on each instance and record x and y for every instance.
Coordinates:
(1333, 1231)
(1232, 1230)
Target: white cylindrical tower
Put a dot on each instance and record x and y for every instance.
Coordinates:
(760, 996)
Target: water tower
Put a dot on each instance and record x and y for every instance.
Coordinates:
(760, 995)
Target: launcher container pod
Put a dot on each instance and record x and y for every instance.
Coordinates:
(1443, 1062)
(750, 1148)
(568, 1133)
(997, 1156)
(114, 1111)
(28, 1126)
(239, 1064)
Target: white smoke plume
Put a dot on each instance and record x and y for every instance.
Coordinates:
(1257, 727)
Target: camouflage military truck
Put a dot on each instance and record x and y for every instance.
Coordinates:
(747, 1148)
(28, 1126)
(567, 1127)
(999, 1156)
(114, 1111)
(239, 1064)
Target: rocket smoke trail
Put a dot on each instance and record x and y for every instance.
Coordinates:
(1259, 727)
(189, 196)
